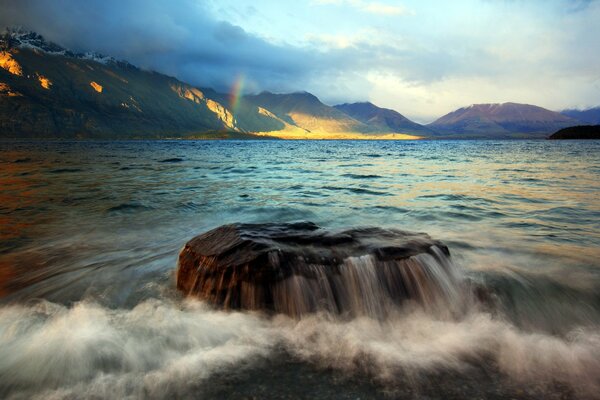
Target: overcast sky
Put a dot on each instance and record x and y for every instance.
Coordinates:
(422, 58)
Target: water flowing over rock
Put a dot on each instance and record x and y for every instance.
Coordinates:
(299, 268)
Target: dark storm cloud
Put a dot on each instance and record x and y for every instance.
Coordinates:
(179, 38)
(187, 40)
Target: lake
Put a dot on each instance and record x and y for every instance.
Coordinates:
(90, 233)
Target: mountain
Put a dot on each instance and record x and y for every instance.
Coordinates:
(578, 132)
(49, 91)
(383, 118)
(307, 112)
(589, 116)
(501, 121)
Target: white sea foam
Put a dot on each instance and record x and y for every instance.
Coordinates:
(164, 349)
(414, 342)
(152, 349)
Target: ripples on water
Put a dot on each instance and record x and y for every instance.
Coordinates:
(90, 234)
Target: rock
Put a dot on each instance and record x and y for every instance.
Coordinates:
(299, 268)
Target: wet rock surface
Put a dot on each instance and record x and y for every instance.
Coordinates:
(299, 268)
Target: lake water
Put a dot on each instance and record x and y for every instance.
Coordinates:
(90, 233)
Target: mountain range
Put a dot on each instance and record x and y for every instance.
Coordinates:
(47, 91)
(589, 116)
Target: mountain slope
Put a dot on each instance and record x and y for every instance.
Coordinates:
(507, 120)
(307, 112)
(589, 116)
(249, 117)
(383, 118)
(49, 91)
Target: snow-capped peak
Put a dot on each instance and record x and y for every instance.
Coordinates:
(21, 38)
(17, 37)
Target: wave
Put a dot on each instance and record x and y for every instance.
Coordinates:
(166, 348)
(155, 349)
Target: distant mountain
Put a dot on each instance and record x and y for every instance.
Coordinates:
(578, 132)
(383, 118)
(589, 116)
(49, 91)
(507, 120)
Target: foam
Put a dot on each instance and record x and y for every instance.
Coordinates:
(165, 348)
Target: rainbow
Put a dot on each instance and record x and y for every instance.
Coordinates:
(236, 94)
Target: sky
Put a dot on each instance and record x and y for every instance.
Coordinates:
(421, 58)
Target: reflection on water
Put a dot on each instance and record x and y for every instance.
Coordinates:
(94, 229)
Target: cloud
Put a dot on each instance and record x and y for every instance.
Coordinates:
(189, 41)
(384, 9)
(434, 60)
(182, 39)
(368, 6)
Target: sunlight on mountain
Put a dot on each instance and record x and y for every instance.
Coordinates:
(324, 128)
(7, 91)
(265, 112)
(97, 87)
(191, 94)
(223, 114)
(196, 95)
(317, 124)
(45, 82)
(292, 132)
(10, 64)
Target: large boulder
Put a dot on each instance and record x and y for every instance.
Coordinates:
(299, 268)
